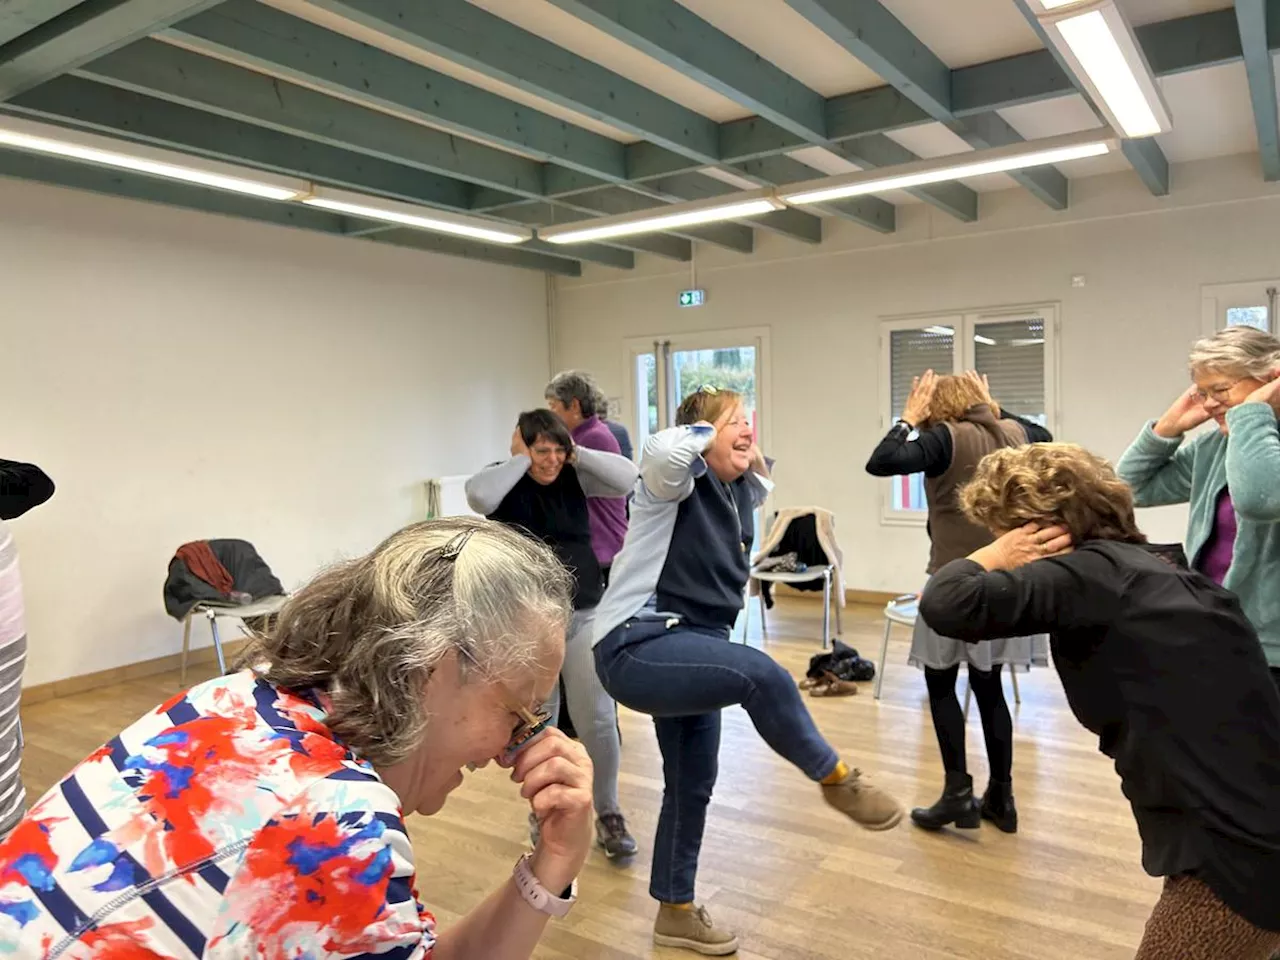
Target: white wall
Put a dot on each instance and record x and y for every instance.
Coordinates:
(1122, 349)
(184, 376)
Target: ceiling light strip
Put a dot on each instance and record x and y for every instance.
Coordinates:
(735, 206)
(416, 217)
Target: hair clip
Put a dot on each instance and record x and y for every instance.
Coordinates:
(453, 548)
(708, 389)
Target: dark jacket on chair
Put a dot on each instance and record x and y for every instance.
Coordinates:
(183, 589)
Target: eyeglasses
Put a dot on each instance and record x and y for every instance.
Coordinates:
(1218, 394)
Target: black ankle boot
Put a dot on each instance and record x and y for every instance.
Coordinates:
(956, 805)
(997, 806)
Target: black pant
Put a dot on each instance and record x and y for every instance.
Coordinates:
(948, 719)
(1275, 675)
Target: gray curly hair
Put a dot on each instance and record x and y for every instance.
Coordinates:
(1236, 351)
(369, 632)
(573, 385)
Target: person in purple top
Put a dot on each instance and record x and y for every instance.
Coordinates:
(573, 397)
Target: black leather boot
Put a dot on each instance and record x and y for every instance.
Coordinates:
(956, 805)
(997, 806)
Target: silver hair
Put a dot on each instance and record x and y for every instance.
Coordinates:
(369, 632)
(1236, 351)
(570, 385)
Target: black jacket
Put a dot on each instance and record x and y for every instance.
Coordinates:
(183, 589)
(22, 486)
(1163, 666)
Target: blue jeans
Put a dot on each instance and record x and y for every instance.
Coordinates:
(683, 677)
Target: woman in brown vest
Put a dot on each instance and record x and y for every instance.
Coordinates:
(956, 424)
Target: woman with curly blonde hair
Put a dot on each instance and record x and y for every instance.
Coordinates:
(956, 423)
(1157, 660)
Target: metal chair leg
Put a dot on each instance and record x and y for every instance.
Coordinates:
(884, 652)
(186, 645)
(835, 601)
(764, 618)
(217, 643)
(1017, 694)
(826, 610)
(746, 613)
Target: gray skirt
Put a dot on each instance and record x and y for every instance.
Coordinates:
(931, 649)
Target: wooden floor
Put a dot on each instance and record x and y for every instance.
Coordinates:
(796, 880)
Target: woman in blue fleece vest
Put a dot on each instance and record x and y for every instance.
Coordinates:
(1230, 476)
(662, 647)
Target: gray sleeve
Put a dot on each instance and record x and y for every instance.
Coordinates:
(486, 489)
(672, 460)
(603, 474)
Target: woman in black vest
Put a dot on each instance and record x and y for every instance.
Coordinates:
(1160, 663)
(958, 423)
(543, 490)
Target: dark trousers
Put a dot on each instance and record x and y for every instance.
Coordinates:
(683, 677)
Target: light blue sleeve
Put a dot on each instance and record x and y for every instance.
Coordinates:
(672, 460)
(1157, 468)
(1253, 462)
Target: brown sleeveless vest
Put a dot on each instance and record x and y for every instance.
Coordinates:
(973, 436)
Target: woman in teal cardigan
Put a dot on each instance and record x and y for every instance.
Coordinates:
(1230, 477)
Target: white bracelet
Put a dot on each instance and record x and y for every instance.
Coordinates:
(536, 895)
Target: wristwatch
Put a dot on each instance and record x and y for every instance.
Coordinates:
(536, 895)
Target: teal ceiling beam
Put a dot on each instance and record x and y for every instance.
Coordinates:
(123, 113)
(285, 46)
(877, 150)
(1148, 160)
(792, 224)
(21, 16)
(1046, 184)
(162, 70)
(1149, 163)
(83, 33)
(877, 38)
(471, 37)
(683, 41)
(535, 213)
(872, 212)
(116, 183)
(79, 176)
(613, 201)
(474, 250)
(1251, 16)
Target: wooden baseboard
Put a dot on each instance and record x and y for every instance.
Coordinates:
(40, 692)
(875, 598)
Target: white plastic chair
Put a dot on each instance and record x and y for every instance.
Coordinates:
(825, 573)
(904, 610)
(266, 607)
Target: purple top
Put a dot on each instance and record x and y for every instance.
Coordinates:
(608, 515)
(1215, 557)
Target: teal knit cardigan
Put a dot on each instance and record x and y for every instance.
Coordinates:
(1247, 462)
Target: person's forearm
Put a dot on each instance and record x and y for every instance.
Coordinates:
(502, 927)
(603, 474)
(486, 490)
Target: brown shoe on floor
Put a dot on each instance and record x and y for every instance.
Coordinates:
(692, 929)
(863, 802)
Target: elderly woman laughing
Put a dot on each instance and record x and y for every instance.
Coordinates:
(261, 814)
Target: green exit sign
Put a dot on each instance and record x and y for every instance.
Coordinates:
(693, 298)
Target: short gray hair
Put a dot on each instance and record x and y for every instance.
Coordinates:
(369, 632)
(1239, 350)
(573, 385)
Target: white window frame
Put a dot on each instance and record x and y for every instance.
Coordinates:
(1217, 298)
(963, 354)
(635, 347)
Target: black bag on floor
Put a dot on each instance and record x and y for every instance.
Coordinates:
(843, 661)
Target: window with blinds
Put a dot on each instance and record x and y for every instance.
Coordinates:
(1014, 352)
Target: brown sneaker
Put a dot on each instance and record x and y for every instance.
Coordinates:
(863, 802)
(693, 930)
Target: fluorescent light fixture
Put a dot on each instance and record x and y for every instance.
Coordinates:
(940, 331)
(1018, 156)
(1099, 47)
(418, 217)
(138, 158)
(734, 206)
(1054, 5)
(1027, 342)
(985, 341)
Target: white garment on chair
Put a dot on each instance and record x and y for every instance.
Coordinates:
(825, 523)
